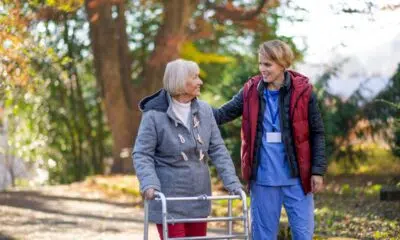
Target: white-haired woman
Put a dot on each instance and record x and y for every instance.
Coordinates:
(177, 136)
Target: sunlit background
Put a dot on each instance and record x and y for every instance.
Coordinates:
(72, 73)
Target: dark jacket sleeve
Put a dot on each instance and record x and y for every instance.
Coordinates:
(230, 110)
(317, 138)
(222, 160)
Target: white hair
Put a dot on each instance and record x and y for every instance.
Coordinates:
(176, 74)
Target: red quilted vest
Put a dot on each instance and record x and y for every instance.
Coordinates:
(301, 91)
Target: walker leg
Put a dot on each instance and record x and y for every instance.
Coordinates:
(230, 223)
(246, 215)
(164, 221)
(164, 214)
(146, 220)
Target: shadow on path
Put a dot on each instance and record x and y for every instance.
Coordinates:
(6, 237)
(36, 200)
(39, 194)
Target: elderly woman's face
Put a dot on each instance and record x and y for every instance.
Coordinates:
(270, 70)
(193, 84)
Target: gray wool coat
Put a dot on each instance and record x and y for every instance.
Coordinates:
(173, 159)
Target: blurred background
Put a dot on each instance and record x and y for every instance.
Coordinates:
(72, 73)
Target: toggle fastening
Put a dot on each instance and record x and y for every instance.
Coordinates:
(184, 156)
(181, 138)
(199, 139)
(196, 122)
(201, 155)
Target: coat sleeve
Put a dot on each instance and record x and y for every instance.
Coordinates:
(220, 157)
(230, 110)
(143, 153)
(317, 138)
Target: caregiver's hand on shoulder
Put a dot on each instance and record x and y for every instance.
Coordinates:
(317, 183)
(149, 194)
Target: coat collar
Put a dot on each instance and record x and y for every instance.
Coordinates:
(288, 81)
(161, 101)
(157, 101)
(194, 109)
(298, 81)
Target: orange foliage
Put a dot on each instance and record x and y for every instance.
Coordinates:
(391, 7)
(203, 30)
(167, 49)
(13, 62)
(254, 24)
(229, 12)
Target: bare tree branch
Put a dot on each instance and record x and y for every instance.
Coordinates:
(235, 14)
(391, 7)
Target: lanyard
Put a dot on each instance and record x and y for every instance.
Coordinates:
(274, 116)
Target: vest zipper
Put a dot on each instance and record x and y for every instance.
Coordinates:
(281, 116)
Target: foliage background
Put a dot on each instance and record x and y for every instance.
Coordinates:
(72, 72)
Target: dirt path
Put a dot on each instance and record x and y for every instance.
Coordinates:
(70, 212)
(88, 211)
(60, 213)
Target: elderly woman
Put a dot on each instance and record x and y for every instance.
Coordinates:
(177, 136)
(283, 143)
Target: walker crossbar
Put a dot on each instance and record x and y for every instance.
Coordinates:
(229, 219)
(201, 197)
(211, 219)
(239, 236)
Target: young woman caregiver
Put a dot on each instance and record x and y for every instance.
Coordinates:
(283, 143)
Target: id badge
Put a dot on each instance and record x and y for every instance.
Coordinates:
(274, 137)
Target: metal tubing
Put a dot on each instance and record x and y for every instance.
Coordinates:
(161, 197)
(230, 222)
(164, 214)
(245, 213)
(146, 220)
(238, 236)
(201, 197)
(211, 219)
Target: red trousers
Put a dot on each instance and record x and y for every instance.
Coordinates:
(184, 229)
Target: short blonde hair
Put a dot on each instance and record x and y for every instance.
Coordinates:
(176, 74)
(277, 51)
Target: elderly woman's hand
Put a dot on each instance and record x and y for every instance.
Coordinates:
(237, 191)
(149, 194)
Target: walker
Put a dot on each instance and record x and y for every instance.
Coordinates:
(229, 219)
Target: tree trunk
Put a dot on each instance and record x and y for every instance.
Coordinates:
(173, 32)
(112, 62)
(110, 55)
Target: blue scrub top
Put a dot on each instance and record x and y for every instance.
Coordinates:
(273, 168)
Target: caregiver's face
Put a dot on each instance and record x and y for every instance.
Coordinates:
(270, 70)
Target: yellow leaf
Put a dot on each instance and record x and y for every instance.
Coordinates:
(190, 52)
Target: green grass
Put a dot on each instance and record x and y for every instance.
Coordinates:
(350, 207)
(115, 185)
(379, 160)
